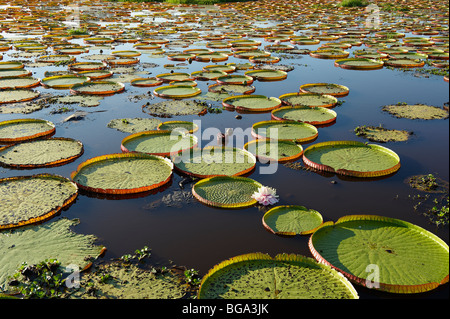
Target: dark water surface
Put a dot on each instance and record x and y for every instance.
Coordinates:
(197, 236)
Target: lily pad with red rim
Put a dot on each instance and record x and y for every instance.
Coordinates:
(352, 158)
(231, 192)
(405, 257)
(162, 143)
(291, 220)
(30, 199)
(215, 161)
(123, 173)
(285, 130)
(287, 276)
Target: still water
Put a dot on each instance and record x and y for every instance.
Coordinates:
(196, 236)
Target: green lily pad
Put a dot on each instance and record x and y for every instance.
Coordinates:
(53, 240)
(19, 130)
(259, 276)
(251, 103)
(129, 282)
(285, 130)
(30, 199)
(305, 114)
(213, 161)
(309, 99)
(183, 126)
(41, 153)
(24, 82)
(163, 143)
(226, 191)
(14, 96)
(124, 173)
(274, 150)
(352, 158)
(383, 253)
(291, 220)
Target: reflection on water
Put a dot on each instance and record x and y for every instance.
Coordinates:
(197, 236)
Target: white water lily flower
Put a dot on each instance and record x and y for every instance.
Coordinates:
(266, 196)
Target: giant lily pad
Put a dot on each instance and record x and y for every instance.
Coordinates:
(41, 153)
(14, 96)
(177, 91)
(175, 107)
(129, 281)
(259, 276)
(285, 130)
(267, 75)
(306, 114)
(352, 158)
(163, 143)
(383, 253)
(19, 130)
(332, 89)
(309, 99)
(13, 82)
(53, 240)
(213, 161)
(63, 81)
(359, 64)
(251, 103)
(29, 199)
(291, 220)
(126, 173)
(274, 150)
(97, 88)
(226, 191)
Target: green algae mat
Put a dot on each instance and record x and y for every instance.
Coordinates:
(123, 173)
(309, 99)
(259, 276)
(401, 257)
(352, 158)
(29, 199)
(306, 114)
(251, 103)
(213, 161)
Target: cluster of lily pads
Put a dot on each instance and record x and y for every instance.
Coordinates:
(342, 250)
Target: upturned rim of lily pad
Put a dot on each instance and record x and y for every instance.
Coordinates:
(54, 163)
(353, 173)
(51, 130)
(218, 179)
(119, 157)
(389, 223)
(278, 209)
(52, 212)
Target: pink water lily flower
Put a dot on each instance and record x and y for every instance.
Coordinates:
(265, 196)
